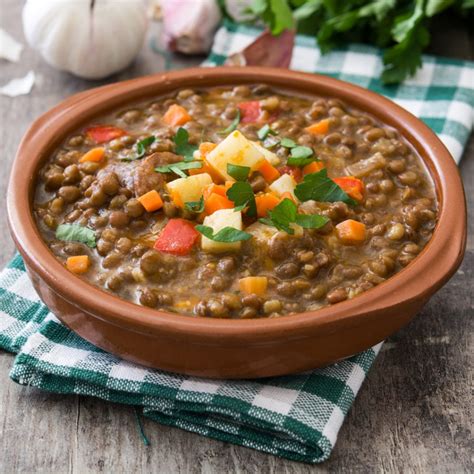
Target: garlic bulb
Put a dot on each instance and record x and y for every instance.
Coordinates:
(189, 25)
(89, 38)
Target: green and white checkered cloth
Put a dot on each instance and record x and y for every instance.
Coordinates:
(297, 417)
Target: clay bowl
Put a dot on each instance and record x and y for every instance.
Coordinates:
(235, 348)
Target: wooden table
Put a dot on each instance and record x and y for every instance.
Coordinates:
(413, 414)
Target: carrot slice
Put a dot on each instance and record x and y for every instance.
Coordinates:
(319, 128)
(94, 154)
(266, 202)
(78, 263)
(313, 167)
(354, 187)
(215, 202)
(253, 284)
(176, 115)
(214, 188)
(151, 201)
(351, 232)
(269, 172)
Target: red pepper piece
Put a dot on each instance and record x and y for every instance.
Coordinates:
(104, 133)
(354, 187)
(293, 171)
(250, 111)
(177, 237)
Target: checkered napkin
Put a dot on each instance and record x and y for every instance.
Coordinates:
(296, 417)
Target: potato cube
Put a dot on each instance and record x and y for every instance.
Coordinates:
(217, 221)
(237, 150)
(269, 155)
(183, 190)
(284, 184)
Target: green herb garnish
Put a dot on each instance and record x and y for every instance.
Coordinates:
(288, 143)
(239, 173)
(265, 131)
(286, 213)
(179, 167)
(195, 206)
(183, 147)
(241, 194)
(271, 141)
(233, 125)
(319, 187)
(140, 149)
(300, 156)
(76, 233)
(227, 234)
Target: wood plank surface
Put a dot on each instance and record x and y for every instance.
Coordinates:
(413, 414)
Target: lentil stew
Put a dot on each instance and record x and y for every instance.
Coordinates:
(236, 202)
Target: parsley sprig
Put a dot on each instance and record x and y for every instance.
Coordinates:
(183, 147)
(286, 213)
(140, 149)
(241, 194)
(227, 234)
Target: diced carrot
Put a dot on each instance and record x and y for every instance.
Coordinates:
(354, 187)
(266, 202)
(104, 133)
(151, 201)
(269, 172)
(176, 198)
(205, 148)
(351, 232)
(293, 171)
(176, 115)
(313, 167)
(94, 154)
(207, 168)
(216, 202)
(253, 284)
(177, 237)
(287, 195)
(228, 185)
(319, 128)
(214, 188)
(78, 263)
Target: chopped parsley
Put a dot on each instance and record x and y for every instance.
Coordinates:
(76, 233)
(227, 234)
(239, 173)
(183, 147)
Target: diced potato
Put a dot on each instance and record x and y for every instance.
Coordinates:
(284, 184)
(262, 233)
(269, 155)
(183, 190)
(237, 150)
(217, 221)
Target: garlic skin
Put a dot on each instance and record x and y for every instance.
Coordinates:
(88, 38)
(189, 25)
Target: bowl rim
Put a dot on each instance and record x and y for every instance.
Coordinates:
(428, 272)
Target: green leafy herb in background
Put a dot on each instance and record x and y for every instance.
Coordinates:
(76, 233)
(227, 234)
(183, 147)
(398, 26)
(300, 156)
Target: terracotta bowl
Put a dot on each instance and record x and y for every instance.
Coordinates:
(235, 348)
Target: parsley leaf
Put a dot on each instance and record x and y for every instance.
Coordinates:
(319, 187)
(300, 156)
(140, 149)
(233, 125)
(265, 131)
(286, 213)
(76, 233)
(239, 173)
(241, 194)
(178, 168)
(288, 143)
(183, 147)
(195, 206)
(227, 234)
